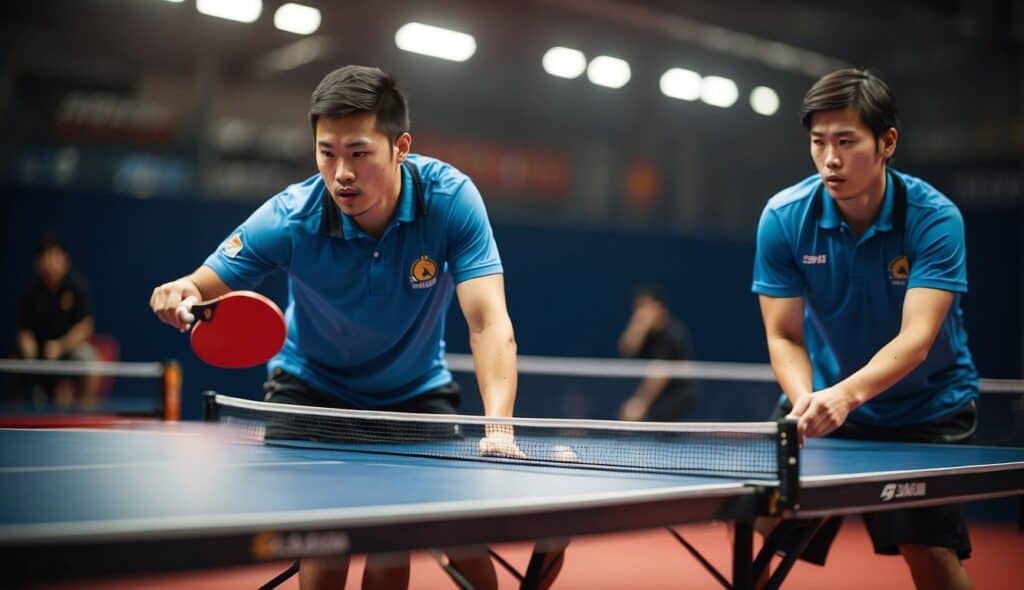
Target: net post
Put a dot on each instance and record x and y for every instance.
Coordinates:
(788, 453)
(171, 391)
(210, 411)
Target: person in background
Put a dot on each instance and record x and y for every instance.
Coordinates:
(55, 322)
(859, 271)
(654, 333)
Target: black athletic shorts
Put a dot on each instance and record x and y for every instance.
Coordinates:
(672, 405)
(933, 526)
(284, 388)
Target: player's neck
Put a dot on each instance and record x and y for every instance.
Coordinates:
(860, 211)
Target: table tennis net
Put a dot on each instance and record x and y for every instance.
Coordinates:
(736, 449)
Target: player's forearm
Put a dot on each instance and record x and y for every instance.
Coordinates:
(78, 334)
(209, 285)
(494, 357)
(27, 344)
(792, 366)
(890, 364)
(632, 338)
(651, 388)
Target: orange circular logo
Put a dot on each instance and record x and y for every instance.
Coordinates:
(423, 270)
(899, 268)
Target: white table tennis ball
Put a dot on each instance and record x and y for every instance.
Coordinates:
(564, 453)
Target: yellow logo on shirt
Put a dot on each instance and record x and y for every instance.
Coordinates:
(67, 301)
(899, 270)
(423, 273)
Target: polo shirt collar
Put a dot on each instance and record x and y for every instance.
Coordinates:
(884, 222)
(831, 219)
(406, 198)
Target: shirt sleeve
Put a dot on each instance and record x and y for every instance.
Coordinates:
(255, 249)
(938, 256)
(472, 251)
(775, 270)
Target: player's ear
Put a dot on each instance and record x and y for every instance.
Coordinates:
(889, 139)
(403, 143)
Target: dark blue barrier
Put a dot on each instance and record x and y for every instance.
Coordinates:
(568, 289)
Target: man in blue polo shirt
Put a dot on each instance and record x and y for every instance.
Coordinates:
(374, 247)
(859, 270)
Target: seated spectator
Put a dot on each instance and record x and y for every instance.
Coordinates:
(55, 322)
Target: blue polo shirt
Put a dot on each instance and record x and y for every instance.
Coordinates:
(853, 289)
(366, 317)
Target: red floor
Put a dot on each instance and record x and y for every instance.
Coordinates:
(653, 559)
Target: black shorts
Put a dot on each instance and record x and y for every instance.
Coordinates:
(284, 388)
(672, 405)
(933, 526)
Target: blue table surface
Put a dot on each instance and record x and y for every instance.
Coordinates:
(191, 475)
(61, 476)
(838, 459)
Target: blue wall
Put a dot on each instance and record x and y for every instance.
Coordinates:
(568, 289)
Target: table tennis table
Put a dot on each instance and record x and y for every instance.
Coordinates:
(86, 503)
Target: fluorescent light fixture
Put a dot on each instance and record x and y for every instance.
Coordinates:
(564, 62)
(435, 42)
(297, 18)
(764, 101)
(610, 72)
(174, 1)
(296, 54)
(718, 91)
(243, 11)
(681, 83)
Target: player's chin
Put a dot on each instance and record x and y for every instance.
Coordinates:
(838, 193)
(352, 207)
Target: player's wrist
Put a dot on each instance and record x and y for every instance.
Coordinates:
(852, 396)
(188, 286)
(501, 406)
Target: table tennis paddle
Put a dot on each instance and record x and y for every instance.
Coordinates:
(238, 330)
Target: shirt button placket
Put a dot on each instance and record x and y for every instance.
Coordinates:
(375, 273)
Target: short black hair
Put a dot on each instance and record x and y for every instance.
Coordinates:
(49, 241)
(352, 90)
(857, 89)
(651, 291)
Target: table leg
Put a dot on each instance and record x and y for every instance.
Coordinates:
(743, 556)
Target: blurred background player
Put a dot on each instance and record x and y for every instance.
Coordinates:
(653, 332)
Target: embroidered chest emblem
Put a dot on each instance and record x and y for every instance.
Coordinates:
(67, 301)
(899, 270)
(423, 273)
